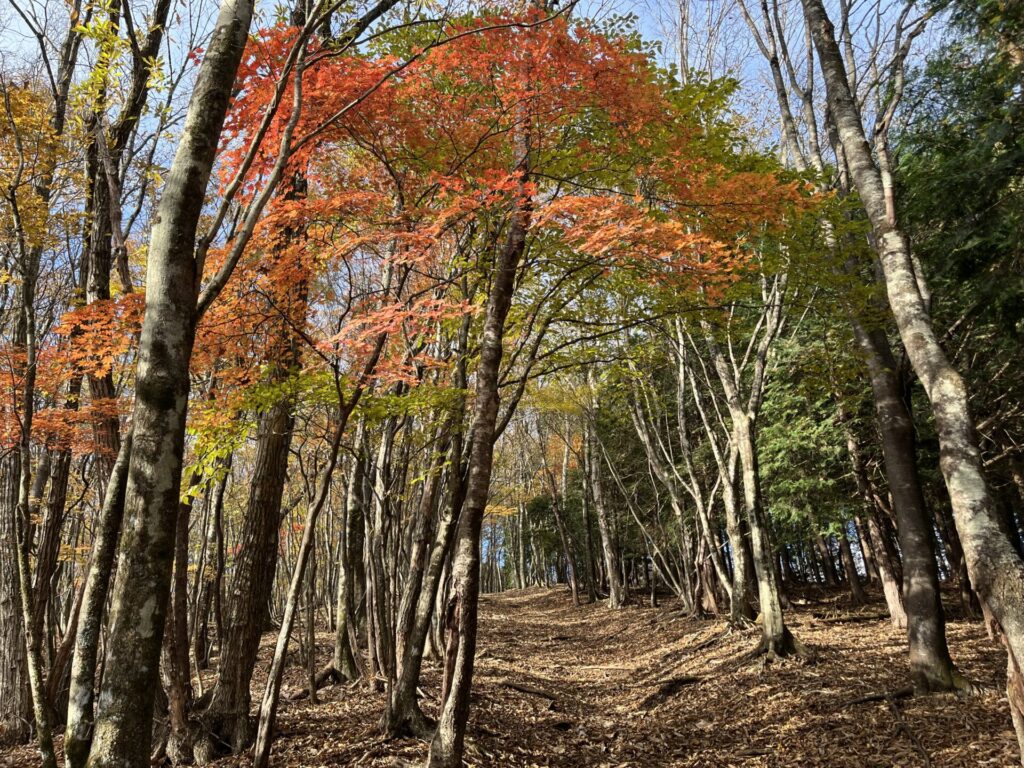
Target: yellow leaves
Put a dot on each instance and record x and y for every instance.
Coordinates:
(557, 396)
(29, 153)
(103, 31)
(499, 510)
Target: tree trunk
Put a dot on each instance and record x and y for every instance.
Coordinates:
(15, 699)
(880, 551)
(776, 639)
(227, 715)
(124, 713)
(460, 616)
(857, 595)
(178, 682)
(81, 692)
(403, 714)
(343, 661)
(616, 590)
(995, 567)
(931, 667)
(48, 547)
(33, 640)
(271, 694)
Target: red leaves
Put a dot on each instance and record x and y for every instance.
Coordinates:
(409, 171)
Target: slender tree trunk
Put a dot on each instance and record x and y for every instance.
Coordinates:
(857, 595)
(867, 551)
(776, 639)
(931, 667)
(343, 663)
(178, 682)
(15, 699)
(422, 533)
(81, 693)
(616, 590)
(568, 551)
(828, 566)
(48, 547)
(227, 716)
(403, 714)
(33, 640)
(881, 556)
(460, 615)
(271, 695)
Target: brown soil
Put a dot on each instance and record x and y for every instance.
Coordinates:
(573, 687)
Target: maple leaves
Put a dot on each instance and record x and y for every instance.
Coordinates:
(410, 170)
(404, 171)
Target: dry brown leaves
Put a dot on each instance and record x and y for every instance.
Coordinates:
(572, 687)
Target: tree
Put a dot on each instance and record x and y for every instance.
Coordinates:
(996, 569)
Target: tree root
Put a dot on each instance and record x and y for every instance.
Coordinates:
(964, 687)
(668, 689)
(900, 693)
(850, 618)
(329, 675)
(530, 689)
(412, 722)
(902, 725)
(787, 647)
(961, 687)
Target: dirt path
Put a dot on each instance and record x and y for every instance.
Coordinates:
(575, 687)
(623, 692)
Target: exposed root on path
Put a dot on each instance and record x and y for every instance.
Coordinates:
(900, 693)
(668, 689)
(903, 727)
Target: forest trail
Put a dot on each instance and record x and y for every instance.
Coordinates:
(577, 687)
(586, 687)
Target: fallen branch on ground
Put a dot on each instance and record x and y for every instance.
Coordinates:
(525, 688)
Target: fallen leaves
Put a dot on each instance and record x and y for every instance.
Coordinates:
(578, 687)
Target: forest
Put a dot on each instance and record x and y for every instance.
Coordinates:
(511, 383)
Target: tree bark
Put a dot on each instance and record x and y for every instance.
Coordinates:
(81, 692)
(178, 677)
(857, 595)
(124, 714)
(996, 569)
(15, 699)
(227, 716)
(271, 694)
(931, 668)
(460, 615)
(616, 590)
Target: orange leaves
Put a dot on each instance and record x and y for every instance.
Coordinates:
(625, 234)
(407, 171)
(404, 319)
(72, 429)
(89, 341)
(97, 336)
(331, 82)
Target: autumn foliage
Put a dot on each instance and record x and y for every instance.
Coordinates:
(402, 173)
